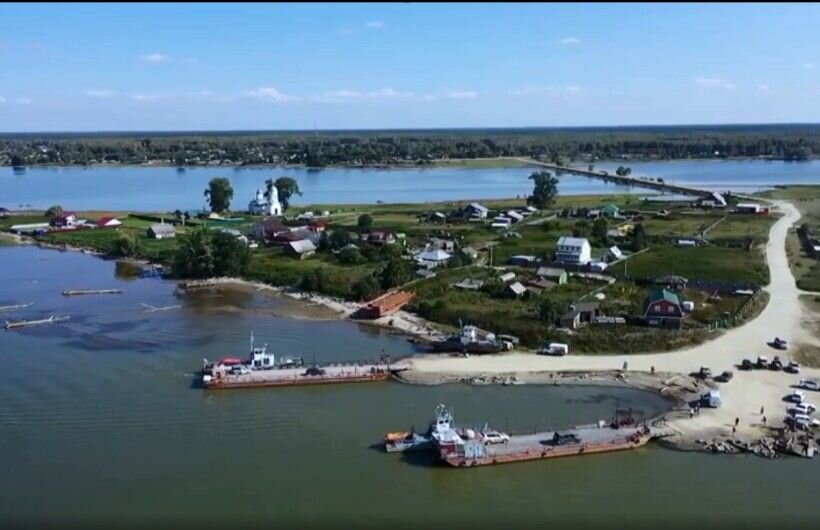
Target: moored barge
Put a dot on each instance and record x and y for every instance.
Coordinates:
(262, 369)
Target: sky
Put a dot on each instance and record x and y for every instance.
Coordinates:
(123, 67)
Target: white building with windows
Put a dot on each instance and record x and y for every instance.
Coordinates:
(576, 250)
(260, 205)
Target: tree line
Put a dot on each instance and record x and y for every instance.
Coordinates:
(415, 147)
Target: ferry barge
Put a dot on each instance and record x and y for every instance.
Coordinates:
(464, 447)
(262, 369)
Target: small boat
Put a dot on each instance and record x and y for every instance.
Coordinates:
(471, 340)
(27, 323)
(397, 442)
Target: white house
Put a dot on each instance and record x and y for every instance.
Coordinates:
(575, 250)
(260, 205)
(476, 211)
(515, 216)
(747, 207)
(433, 258)
(501, 222)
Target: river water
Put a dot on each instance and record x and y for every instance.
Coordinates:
(99, 421)
(166, 189)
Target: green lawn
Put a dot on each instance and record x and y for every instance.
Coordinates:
(703, 263)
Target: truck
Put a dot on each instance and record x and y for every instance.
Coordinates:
(710, 399)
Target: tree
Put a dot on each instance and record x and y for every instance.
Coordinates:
(365, 221)
(287, 188)
(580, 228)
(545, 189)
(219, 194)
(54, 211)
(269, 185)
(350, 256)
(231, 255)
(365, 288)
(16, 160)
(395, 272)
(549, 309)
(339, 238)
(194, 256)
(126, 245)
(639, 238)
(599, 228)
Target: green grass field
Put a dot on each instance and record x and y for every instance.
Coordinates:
(703, 263)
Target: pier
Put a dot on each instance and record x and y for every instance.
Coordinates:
(78, 292)
(626, 180)
(27, 323)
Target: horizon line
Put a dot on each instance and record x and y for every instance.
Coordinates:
(111, 132)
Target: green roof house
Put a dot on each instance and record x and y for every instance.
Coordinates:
(663, 308)
(610, 210)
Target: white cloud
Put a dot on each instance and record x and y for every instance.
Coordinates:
(98, 93)
(570, 40)
(2, 99)
(461, 94)
(376, 24)
(346, 95)
(808, 66)
(573, 88)
(714, 82)
(345, 32)
(764, 88)
(155, 58)
(271, 94)
(146, 97)
(529, 90)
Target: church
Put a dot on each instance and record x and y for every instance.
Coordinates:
(260, 205)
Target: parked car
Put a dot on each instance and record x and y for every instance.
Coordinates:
(797, 396)
(762, 361)
(780, 344)
(793, 367)
(495, 437)
(554, 348)
(803, 421)
(724, 377)
(809, 384)
(776, 364)
(801, 408)
(746, 364)
(704, 372)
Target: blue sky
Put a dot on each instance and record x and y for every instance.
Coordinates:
(88, 67)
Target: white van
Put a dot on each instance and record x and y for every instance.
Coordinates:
(555, 348)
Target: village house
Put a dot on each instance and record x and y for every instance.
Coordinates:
(260, 205)
(557, 276)
(161, 231)
(475, 211)
(614, 253)
(663, 308)
(304, 248)
(501, 222)
(108, 222)
(506, 276)
(433, 217)
(751, 208)
(268, 229)
(579, 314)
(425, 273)
(65, 219)
(611, 211)
(539, 285)
(5, 212)
(470, 252)
(447, 245)
(432, 258)
(514, 290)
(318, 225)
(234, 233)
(515, 216)
(575, 250)
(379, 237)
(469, 284)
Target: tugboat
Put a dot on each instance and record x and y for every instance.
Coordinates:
(259, 359)
(472, 340)
(396, 442)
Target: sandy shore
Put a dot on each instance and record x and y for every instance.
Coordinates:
(743, 397)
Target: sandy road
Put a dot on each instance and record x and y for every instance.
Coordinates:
(743, 397)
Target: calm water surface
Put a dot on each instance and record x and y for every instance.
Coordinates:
(163, 188)
(98, 420)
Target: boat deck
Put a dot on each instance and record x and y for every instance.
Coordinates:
(296, 376)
